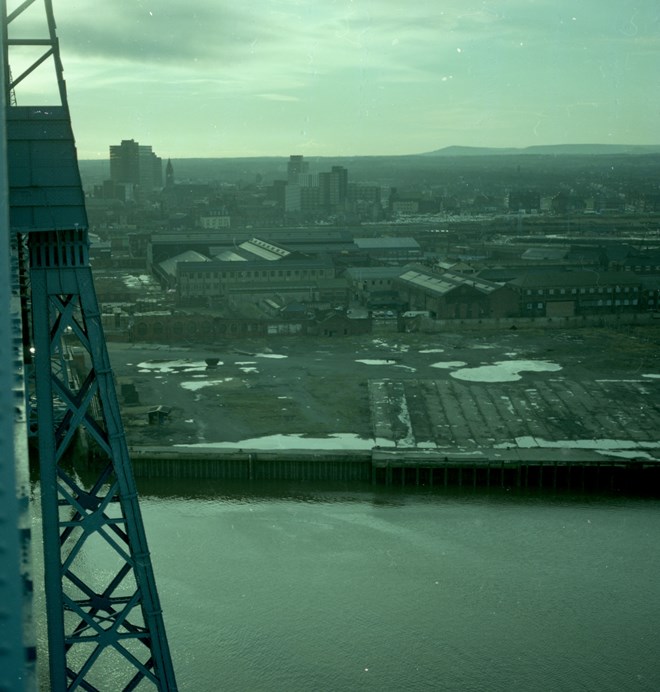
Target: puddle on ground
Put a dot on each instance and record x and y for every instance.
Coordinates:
(504, 370)
(447, 364)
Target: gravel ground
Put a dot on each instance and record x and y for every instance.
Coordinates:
(448, 390)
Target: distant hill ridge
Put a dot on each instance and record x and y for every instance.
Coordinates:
(397, 169)
(549, 150)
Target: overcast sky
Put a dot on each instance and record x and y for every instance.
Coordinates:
(213, 78)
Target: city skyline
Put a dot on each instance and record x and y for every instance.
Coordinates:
(207, 79)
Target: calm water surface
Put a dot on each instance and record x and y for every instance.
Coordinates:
(297, 588)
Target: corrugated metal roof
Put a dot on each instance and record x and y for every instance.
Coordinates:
(229, 256)
(169, 265)
(263, 249)
(444, 283)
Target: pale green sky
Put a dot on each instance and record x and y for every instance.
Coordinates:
(349, 77)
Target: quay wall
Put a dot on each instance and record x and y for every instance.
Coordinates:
(528, 469)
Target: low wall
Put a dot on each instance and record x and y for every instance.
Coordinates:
(299, 465)
(426, 324)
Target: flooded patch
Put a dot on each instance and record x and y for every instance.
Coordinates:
(504, 371)
(447, 364)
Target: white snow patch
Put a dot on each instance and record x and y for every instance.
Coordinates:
(375, 361)
(509, 405)
(298, 441)
(432, 350)
(270, 355)
(652, 376)
(168, 366)
(194, 386)
(404, 418)
(248, 370)
(629, 454)
(600, 444)
(620, 381)
(504, 371)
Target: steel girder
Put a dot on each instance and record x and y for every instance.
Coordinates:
(17, 643)
(105, 627)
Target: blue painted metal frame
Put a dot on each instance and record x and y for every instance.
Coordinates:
(105, 626)
(88, 616)
(17, 645)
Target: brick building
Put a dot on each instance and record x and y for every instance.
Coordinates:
(569, 293)
(450, 295)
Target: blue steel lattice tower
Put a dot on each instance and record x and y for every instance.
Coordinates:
(105, 626)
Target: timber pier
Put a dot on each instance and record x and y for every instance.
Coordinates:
(570, 469)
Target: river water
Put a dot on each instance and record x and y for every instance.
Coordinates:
(292, 587)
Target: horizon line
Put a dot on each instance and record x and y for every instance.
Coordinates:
(386, 155)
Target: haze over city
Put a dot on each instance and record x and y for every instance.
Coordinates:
(209, 78)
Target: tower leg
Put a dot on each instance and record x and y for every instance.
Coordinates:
(104, 619)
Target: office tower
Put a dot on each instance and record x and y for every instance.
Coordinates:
(296, 167)
(333, 188)
(136, 164)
